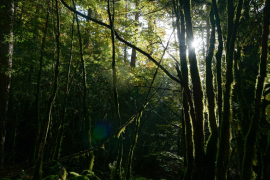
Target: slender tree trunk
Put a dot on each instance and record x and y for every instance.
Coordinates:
(37, 107)
(182, 136)
(182, 50)
(38, 168)
(254, 125)
(198, 134)
(89, 160)
(133, 54)
(211, 147)
(125, 48)
(6, 52)
(218, 59)
(15, 125)
(118, 174)
(61, 127)
(130, 157)
(224, 145)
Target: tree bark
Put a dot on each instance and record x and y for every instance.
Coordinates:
(198, 134)
(38, 168)
(133, 54)
(211, 147)
(89, 160)
(6, 52)
(118, 173)
(218, 59)
(183, 61)
(62, 120)
(254, 125)
(37, 108)
(224, 142)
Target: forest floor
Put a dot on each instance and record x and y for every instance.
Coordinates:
(14, 171)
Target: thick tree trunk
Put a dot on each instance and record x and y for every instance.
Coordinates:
(6, 52)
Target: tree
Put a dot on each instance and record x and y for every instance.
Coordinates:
(6, 46)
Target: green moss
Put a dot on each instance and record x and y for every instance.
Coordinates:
(85, 172)
(79, 178)
(141, 178)
(90, 174)
(52, 177)
(57, 169)
(73, 174)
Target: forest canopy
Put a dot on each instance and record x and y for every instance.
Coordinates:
(135, 89)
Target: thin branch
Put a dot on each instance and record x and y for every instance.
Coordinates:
(125, 42)
(164, 119)
(160, 88)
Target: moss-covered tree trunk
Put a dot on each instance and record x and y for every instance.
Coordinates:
(198, 134)
(218, 59)
(224, 141)
(118, 173)
(89, 159)
(250, 138)
(130, 157)
(181, 30)
(264, 138)
(211, 147)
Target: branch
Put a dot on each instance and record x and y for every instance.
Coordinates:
(161, 88)
(86, 17)
(124, 41)
(164, 119)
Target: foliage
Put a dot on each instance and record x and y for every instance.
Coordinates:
(89, 101)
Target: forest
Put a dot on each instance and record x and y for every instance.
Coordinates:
(134, 89)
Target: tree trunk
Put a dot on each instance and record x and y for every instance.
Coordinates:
(62, 120)
(133, 54)
(198, 134)
(224, 145)
(6, 52)
(218, 59)
(254, 125)
(38, 168)
(211, 147)
(37, 107)
(118, 173)
(89, 160)
(183, 60)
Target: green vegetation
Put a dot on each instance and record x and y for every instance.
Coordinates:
(134, 89)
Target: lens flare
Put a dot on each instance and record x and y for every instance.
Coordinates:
(195, 43)
(101, 130)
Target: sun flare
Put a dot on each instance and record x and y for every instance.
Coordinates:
(195, 43)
